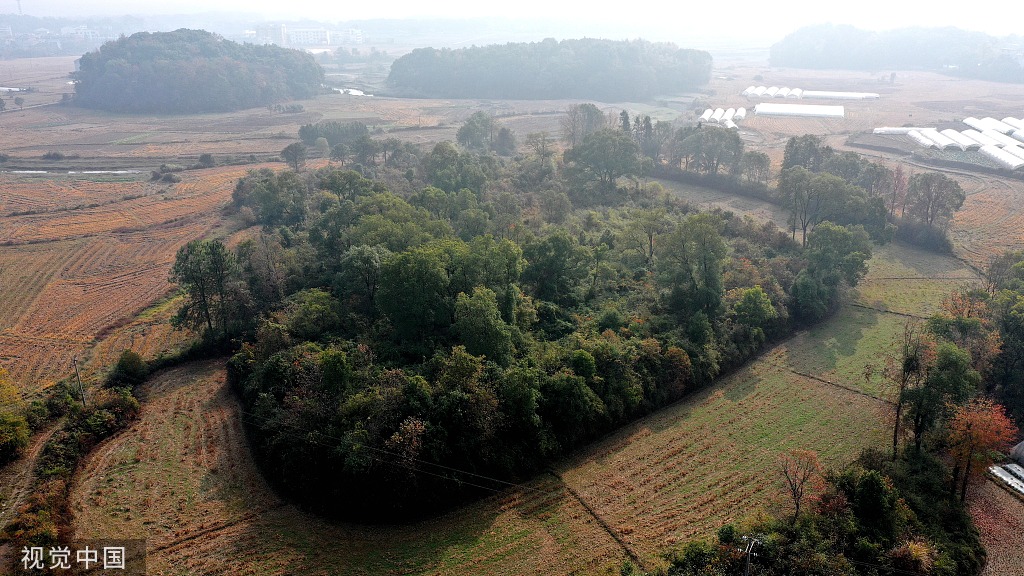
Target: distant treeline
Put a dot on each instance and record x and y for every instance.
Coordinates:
(950, 50)
(188, 71)
(589, 68)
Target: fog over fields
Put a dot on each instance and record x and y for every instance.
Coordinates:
(684, 23)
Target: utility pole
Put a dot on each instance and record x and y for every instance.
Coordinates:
(81, 389)
(749, 551)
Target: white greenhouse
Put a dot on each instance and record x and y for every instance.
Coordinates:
(921, 139)
(782, 93)
(1017, 123)
(727, 117)
(1005, 158)
(980, 138)
(943, 142)
(975, 123)
(1001, 138)
(740, 114)
(1018, 135)
(827, 94)
(808, 110)
(717, 116)
(1015, 150)
(771, 92)
(795, 93)
(998, 126)
(964, 142)
(706, 115)
(895, 130)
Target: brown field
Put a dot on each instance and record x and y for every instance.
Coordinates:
(70, 275)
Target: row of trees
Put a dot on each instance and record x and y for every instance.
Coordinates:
(188, 71)
(588, 68)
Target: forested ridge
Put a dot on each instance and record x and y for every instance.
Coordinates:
(603, 70)
(188, 71)
(948, 50)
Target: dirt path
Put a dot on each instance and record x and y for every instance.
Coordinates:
(1000, 517)
(16, 481)
(16, 478)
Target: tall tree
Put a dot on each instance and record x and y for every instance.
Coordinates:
(978, 430)
(949, 381)
(934, 197)
(204, 269)
(294, 154)
(802, 476)
(756, 166)
(579, 121)
(906, 370)
(605, 156)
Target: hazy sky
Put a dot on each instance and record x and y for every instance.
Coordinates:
(764, 18)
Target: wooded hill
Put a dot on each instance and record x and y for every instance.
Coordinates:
(189, 71)
(948, 50)
(603, 70)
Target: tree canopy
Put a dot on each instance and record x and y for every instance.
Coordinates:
(588, 68)
(188, 71)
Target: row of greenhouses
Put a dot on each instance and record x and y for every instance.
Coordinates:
(799, 93)
(727, 117)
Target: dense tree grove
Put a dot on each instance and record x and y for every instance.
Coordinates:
(410, 339)
(603, 70)
(189, 71)
(422, 329)
(948, 50)
(874, 517)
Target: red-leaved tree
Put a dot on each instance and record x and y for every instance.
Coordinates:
(978, 430)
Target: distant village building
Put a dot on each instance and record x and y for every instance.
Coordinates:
(349, 36)
(271, 34)
(309, 37)
(79, 33)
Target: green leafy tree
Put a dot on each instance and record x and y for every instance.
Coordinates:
(205, 269)
(479, 326)
(950, 381)
(477, 132)
(691, 267)
(933, 197)
(294, 154)
(581, 120)
(756, 167)
(604, 156)
(557, 265)
(130, 371)
(838, 254)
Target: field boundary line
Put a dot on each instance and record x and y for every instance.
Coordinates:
(607, 527)
(831, 383)
(215, 528)
(882, 310)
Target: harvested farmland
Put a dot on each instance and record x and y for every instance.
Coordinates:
(71, 274)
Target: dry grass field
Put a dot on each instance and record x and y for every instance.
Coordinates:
(79, 265)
